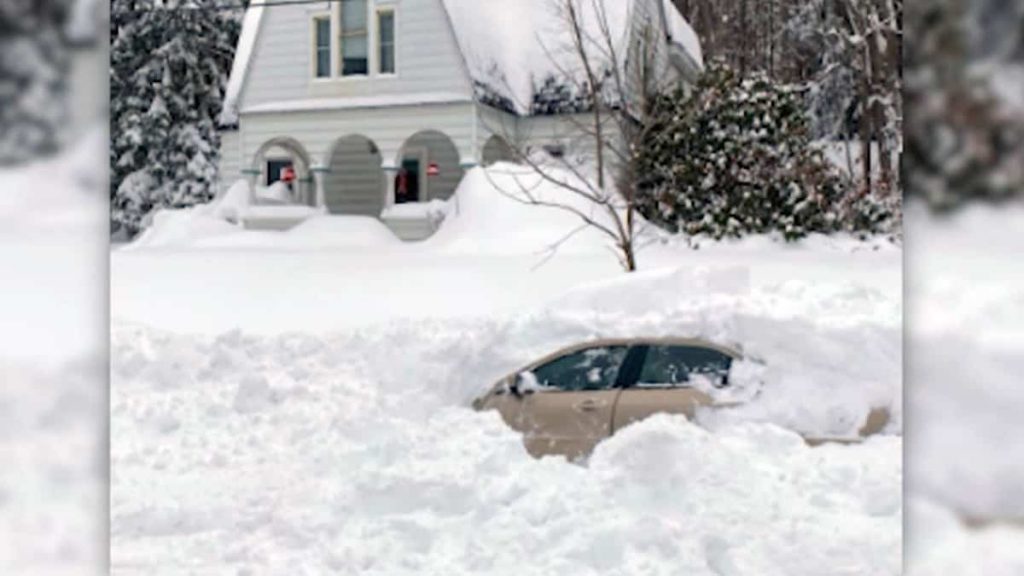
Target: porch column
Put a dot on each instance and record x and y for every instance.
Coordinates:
(319, 175)
(390, 172)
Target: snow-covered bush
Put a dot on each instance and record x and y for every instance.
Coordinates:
(736, 157)
(33, 78)
(169, 67)
(965, 102)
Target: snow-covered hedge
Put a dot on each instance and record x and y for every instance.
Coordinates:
(736, 158)
(33, 78)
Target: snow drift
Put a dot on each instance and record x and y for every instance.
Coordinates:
(488, 214)
(342, 454)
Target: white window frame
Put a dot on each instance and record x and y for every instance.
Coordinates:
(314, 48)
(376, 60)
(339, 67)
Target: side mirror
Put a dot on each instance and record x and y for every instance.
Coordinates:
(518, 386)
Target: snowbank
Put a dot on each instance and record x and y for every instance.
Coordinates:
(375, 464)
(59, 195)
(53, 488)
(53, 332)
(339, 455)
(217, 226)
(966, 352)
(830, 353)
(938, 543)
(487, 215)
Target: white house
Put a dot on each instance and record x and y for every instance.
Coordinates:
(377, 103)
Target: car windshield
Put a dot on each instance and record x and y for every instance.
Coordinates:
(591, 369)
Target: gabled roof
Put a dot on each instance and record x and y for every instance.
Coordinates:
(240, 66)
(512, 47)
(509, 46)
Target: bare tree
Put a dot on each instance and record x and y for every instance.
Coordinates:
(616, 81)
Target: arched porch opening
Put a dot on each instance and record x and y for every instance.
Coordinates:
(497, 149)
(427, 168)
(354, 183)
(272, 162)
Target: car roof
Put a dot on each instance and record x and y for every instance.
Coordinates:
(639, 341)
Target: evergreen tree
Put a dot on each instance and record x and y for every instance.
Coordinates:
(33, 78)
(736, 158)
(169, 67)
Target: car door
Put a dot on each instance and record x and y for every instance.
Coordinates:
(667, 380)
(564, 406)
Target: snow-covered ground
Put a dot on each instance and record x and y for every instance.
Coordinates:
(281, 401)
(333, 442)
(966, 356)
(53, 364)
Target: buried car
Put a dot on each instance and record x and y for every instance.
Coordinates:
(569, 401)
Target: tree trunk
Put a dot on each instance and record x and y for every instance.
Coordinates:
(865, 142)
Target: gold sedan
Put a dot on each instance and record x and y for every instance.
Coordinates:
(568, 402)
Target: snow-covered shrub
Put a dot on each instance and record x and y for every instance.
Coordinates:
(736, 157)
(965, 102)
(169, 67)
(33, 78)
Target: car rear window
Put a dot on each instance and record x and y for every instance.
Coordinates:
(591, 369)
(680, 366)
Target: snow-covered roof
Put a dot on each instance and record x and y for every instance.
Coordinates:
(510, 47)
(240, 66)
(682, 34)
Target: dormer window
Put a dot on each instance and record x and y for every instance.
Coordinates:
(322, 46)
(355, 42)
(386, 41)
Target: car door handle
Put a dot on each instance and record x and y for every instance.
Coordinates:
(587, 406)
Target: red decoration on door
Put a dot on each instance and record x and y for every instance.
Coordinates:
(433, 169)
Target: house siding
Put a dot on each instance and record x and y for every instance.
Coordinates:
(428, 57)
(388, 128)
(353, 184)
(229, 165)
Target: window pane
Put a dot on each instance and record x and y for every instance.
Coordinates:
(674, 366)
(387, 59)
(353, 15)
(323, 32)
(387, 27)
(323, 47)
(590, 369)
(323, 63)
(355, 54)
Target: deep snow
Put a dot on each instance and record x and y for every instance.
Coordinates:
(356, 454)
(304, 407)
(53, 333)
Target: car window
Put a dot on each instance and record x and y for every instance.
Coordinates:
(679, 366)
(590, 369)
